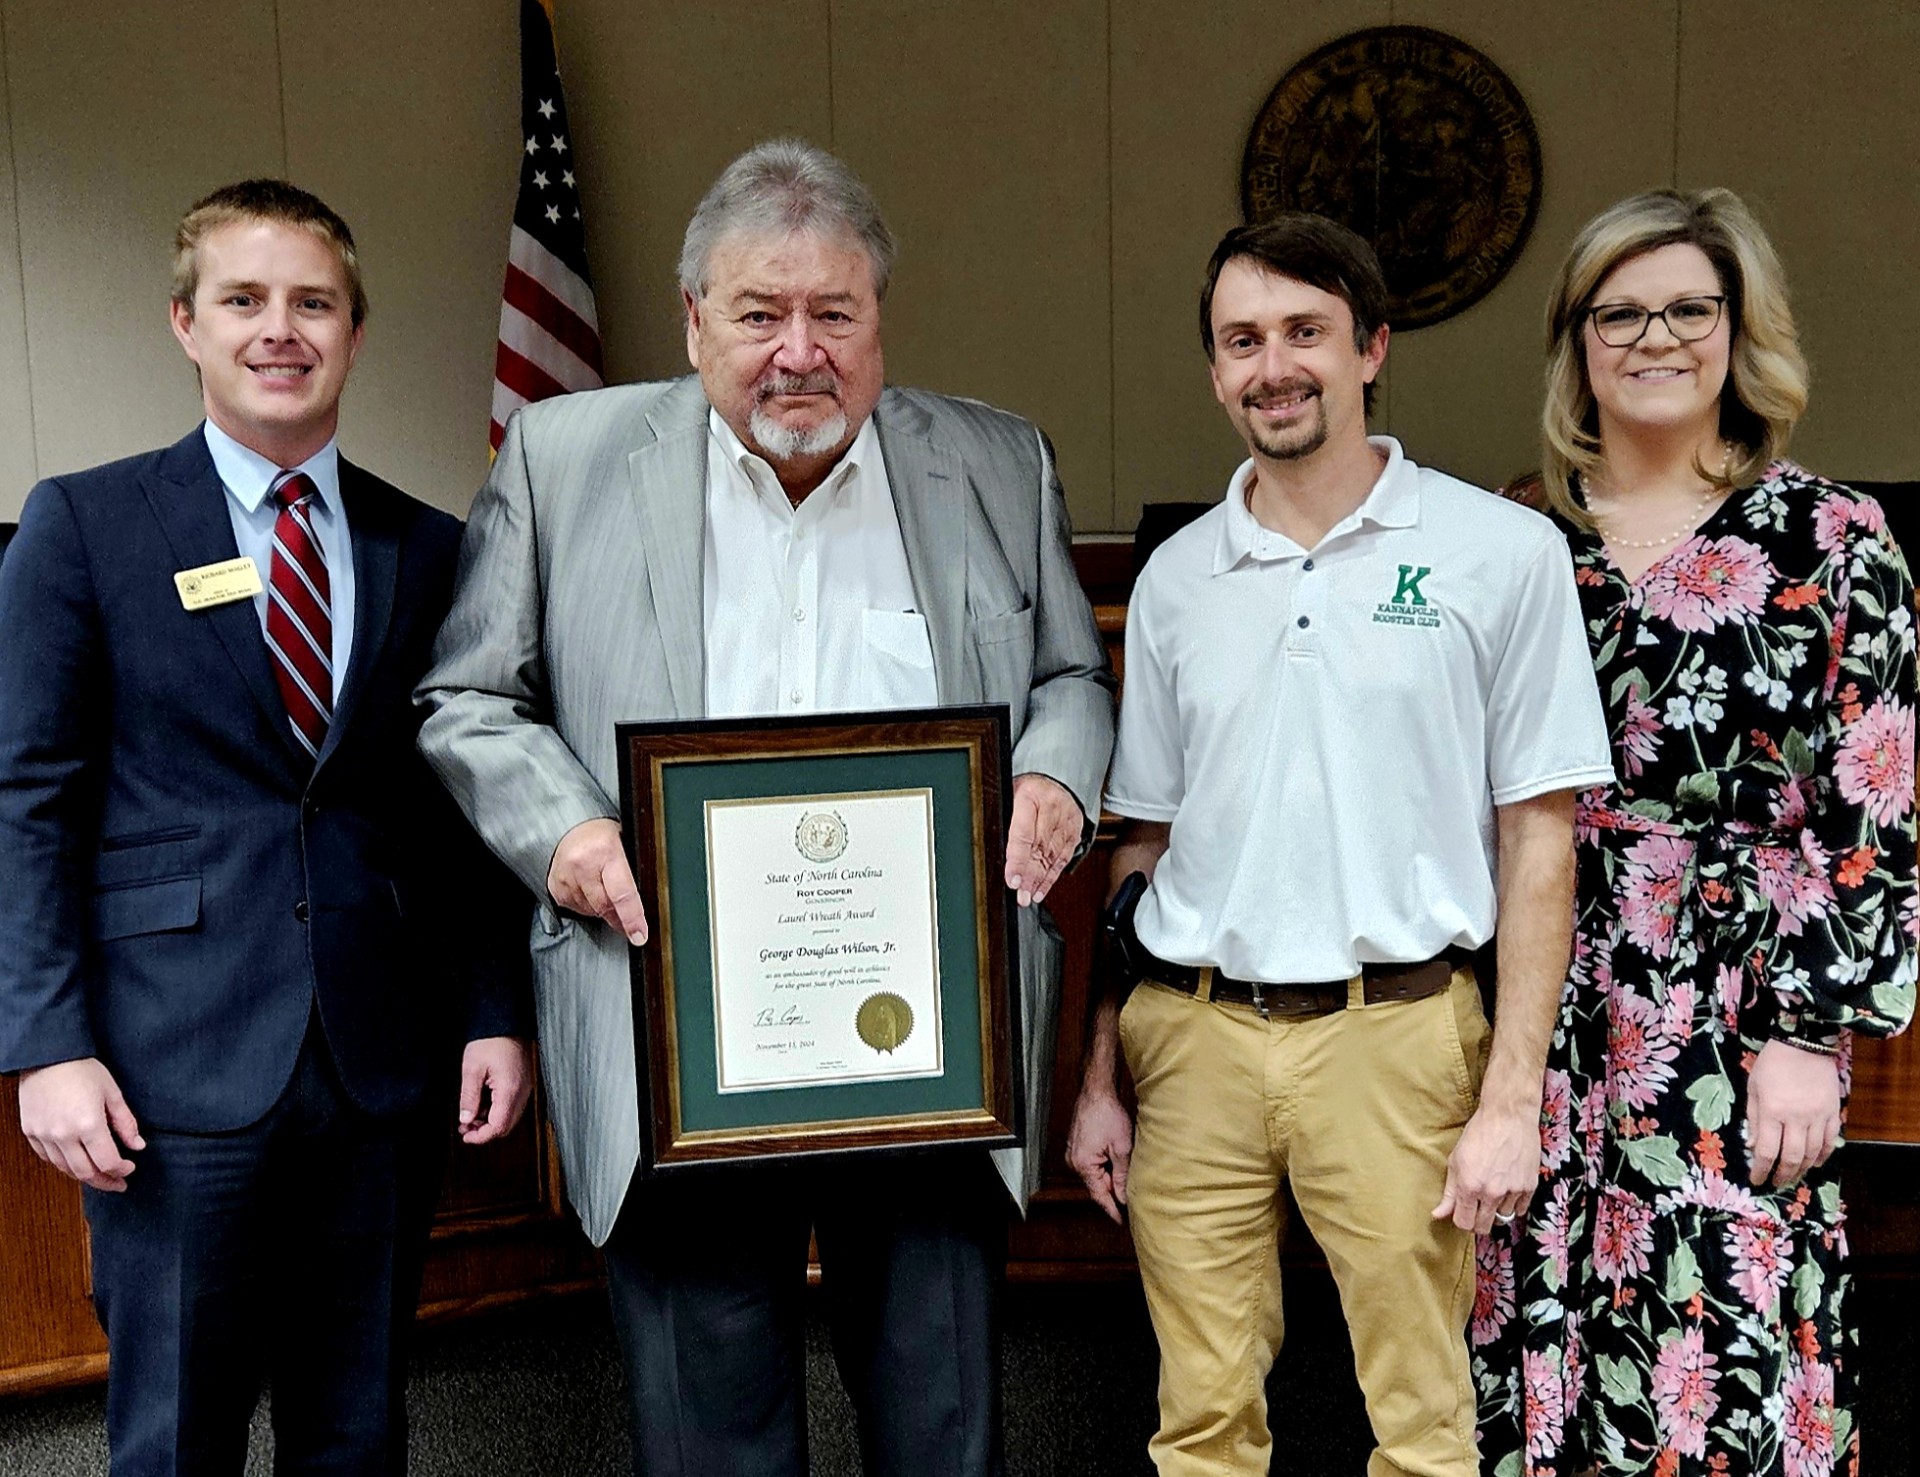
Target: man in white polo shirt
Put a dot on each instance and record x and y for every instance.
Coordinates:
(1357, 707)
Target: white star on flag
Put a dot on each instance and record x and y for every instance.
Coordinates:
(549, 340)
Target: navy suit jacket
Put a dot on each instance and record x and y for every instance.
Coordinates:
(179, 884)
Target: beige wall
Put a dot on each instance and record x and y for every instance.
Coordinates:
(1057, 170)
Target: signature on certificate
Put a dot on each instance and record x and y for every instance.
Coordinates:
(772, 1016)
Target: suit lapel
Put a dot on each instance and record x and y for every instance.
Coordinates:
(930, 495)
(186, 496)
(667, 482)
(376, 571)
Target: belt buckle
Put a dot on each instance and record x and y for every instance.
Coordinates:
(1257, 992)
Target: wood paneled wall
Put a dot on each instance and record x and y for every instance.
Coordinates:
(1058, 172)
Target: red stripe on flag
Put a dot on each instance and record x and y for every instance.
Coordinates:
(521, 375)
(555, 316)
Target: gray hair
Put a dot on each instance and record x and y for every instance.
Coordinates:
(776, 188)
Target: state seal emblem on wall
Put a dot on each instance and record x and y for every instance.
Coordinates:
(1416, 141)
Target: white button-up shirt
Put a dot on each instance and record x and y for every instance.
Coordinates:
(1329, 730)
(808, 609)
(247, 476)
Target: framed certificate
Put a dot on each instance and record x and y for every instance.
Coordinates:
(831, 965)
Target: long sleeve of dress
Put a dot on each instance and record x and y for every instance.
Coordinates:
(1851, 965)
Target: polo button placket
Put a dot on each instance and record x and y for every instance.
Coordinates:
(1309, 604)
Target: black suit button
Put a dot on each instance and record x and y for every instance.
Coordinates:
(300, 910)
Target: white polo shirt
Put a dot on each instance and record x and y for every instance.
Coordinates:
(1329, 731)
(808, 609)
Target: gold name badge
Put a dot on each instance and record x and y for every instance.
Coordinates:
(218, 584)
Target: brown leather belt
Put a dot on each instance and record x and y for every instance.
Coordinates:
(1378, 984)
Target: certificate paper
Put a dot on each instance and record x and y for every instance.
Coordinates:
(825, 945)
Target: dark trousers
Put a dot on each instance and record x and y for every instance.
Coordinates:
(707, 1270)
(289, 1253)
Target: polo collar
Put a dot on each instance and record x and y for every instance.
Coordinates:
(1395, 499)
(1392, 502)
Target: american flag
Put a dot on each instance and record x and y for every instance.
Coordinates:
(549, 332)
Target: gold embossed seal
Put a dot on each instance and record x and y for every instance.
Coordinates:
(884, 1021)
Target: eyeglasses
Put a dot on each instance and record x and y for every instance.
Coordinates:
(1621, 325)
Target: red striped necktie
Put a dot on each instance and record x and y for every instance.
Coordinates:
(300, 613)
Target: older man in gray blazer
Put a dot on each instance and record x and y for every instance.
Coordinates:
(778, 535)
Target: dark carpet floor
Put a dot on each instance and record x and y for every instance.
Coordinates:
(537, 1392)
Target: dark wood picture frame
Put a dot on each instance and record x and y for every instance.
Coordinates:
(668, 774)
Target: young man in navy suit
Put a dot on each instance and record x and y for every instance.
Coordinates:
(243, 932)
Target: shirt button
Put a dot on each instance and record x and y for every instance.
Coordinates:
(1308, 565)
(1303, 623)
(794, 696)
(799, 614)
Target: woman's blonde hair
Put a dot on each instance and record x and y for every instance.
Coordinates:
(1766, 389)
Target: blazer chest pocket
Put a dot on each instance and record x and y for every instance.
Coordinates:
(1004, 646)
(164, 905)
(1009, 625)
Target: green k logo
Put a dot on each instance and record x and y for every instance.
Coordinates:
(1407, 592)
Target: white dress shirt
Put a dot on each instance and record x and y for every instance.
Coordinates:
(247, 476)
(808, 609)
(1329, 730)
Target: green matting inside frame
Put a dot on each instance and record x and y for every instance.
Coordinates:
(686, 786)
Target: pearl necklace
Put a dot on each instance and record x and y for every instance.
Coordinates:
(1693, 518)
(1692, 522)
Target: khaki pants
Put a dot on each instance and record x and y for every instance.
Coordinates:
(1359, 1110)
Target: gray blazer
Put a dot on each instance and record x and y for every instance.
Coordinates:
(579, 605)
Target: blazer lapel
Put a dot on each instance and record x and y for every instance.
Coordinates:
(667, 482)
(190, 503)
(930, 496)
(376, 572)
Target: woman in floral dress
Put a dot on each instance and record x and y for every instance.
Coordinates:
(1674, 1299)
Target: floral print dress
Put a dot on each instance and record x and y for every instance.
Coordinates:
(1749, 876)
